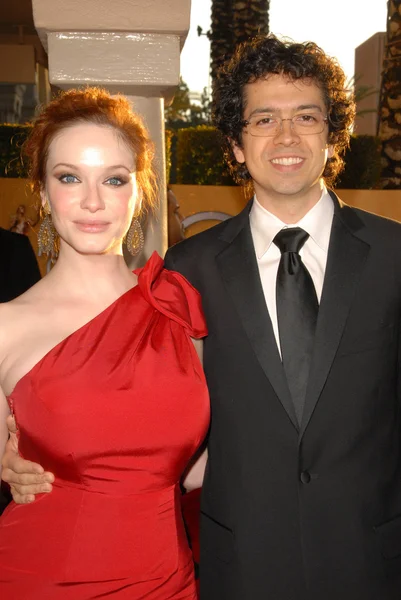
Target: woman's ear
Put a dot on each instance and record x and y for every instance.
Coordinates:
(138, 199)
(44, 201)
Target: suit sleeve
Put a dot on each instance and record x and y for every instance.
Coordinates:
(169, 261)
(399, 333)
(25, 270)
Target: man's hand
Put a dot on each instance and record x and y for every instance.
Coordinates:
(24, 477)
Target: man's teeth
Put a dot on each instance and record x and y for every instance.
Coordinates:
(293, 160)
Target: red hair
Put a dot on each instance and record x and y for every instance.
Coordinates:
(92, 105)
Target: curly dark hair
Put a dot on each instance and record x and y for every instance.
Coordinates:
(265, 55)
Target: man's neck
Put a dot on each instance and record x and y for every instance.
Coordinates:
(290, 209)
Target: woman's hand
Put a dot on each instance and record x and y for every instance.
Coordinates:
(193, 477)
(24, 477)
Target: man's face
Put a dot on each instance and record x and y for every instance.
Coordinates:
(286, 165)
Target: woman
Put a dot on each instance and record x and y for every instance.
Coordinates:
(99, 369)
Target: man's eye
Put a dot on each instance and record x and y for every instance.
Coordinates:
(265, 121)
(306, 119)
(68, 178)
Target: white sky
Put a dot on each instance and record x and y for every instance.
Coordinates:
(338, 27)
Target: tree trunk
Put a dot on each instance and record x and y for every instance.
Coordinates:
(233, 22)
(390, 101)
(221, 34)
(251, 17)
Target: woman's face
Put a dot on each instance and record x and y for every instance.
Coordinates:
(91, 188)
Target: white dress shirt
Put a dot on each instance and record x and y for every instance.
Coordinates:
(264, 227)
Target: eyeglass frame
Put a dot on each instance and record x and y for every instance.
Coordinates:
(245, 123)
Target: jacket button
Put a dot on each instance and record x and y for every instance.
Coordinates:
(305, 477)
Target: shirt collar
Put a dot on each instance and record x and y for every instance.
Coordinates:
(317, 222)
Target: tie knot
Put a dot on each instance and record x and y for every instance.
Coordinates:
(290, 239)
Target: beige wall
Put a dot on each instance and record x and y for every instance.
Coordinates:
(368, 68)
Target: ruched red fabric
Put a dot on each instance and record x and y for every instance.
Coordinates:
(115, 410)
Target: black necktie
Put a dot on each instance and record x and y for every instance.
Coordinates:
(297, 308)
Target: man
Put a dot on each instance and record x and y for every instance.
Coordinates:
(18, 266)
(302, 491)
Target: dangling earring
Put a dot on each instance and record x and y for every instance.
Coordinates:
(134, 239)
(48, 241)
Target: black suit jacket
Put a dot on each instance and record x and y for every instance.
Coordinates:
(18, 266)
(309, 513)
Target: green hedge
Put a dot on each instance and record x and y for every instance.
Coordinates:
(11, 140)
(197, 158)
(362, 164)
(13, 136)
(200, 158)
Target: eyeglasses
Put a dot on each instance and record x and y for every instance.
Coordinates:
(265, 125)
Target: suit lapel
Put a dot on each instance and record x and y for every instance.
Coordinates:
(346, 258)
(239, 271)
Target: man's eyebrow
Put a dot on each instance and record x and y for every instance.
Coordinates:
(264, 110)
(271, 110)
(309, 106)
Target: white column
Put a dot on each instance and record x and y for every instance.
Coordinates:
(155, 228)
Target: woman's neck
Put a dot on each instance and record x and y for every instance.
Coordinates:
(101, 277)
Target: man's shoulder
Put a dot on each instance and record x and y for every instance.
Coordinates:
(13, 238)
(195, 257)
(207, 241)
(357, 218)
(377, 224)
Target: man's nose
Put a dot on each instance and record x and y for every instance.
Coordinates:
(286, 134)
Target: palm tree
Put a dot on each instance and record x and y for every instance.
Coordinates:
(220, 34)
(251, 17)
(390, 101)
(234, 21)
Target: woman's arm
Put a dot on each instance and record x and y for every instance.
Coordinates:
(24, 477)
(4, 412)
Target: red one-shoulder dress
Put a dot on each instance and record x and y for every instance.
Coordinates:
(116, 410)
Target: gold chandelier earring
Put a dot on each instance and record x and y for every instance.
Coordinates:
(134, 240)
(48, 240)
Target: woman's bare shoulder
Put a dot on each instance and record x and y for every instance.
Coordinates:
(15, 314)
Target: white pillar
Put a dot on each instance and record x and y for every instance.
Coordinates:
(155, 229)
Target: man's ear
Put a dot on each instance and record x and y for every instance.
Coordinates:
(238, 153)
(330, 151)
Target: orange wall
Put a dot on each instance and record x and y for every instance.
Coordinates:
(196, 198)
(14, 192)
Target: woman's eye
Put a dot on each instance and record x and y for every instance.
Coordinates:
(115, 181)
(68, 178)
